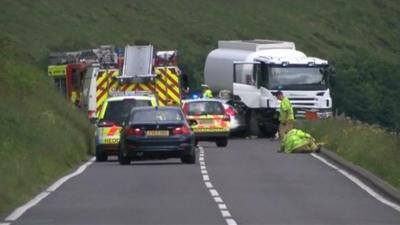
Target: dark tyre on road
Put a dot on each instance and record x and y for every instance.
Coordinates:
(254, 126)
(189, 159)
(123, 160)
(101, 156)
(223, 142)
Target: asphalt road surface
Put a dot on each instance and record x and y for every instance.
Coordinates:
(246, 183)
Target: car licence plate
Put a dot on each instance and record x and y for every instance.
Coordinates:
(206, 122)
(111, 141)
(157, 133)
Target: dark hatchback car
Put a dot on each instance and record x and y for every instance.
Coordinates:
(156, 133)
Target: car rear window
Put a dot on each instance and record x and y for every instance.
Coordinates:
(156, 116)
(205, 108)
(117, 111)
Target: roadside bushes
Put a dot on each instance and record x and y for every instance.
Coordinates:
(368, 89)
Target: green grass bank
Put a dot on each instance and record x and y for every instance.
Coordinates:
(42, 136)
(370, 147)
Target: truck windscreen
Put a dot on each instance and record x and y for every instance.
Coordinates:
(294, 78)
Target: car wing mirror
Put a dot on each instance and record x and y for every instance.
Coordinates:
(93, 120)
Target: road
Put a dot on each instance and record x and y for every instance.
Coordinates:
(246, 183)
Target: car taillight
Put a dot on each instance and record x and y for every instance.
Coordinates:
(106, 123)
(226, 118)
(230, 111)
(183, 130)
(90, 114)
(134, 132)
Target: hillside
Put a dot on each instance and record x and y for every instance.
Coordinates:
(360, 37)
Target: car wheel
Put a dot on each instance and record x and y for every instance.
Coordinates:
(222, 142)
(189, 159)
(100, 155)
(123, 160)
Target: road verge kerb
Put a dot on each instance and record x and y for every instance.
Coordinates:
(368, 177)
(22, 209)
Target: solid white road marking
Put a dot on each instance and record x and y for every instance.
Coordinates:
(359, 183)
(59, 182)
(22, 209)
(202, 163)
(203, 167)
(206, 178)
(203, 171)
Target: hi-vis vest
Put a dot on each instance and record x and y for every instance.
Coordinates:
(207, 94)
(166, 86)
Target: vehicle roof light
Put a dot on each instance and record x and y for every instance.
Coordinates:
(129, 93)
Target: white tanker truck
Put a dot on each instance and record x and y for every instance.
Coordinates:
(255, 70)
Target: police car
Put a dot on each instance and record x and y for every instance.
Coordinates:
(114, 111)
(208, 120)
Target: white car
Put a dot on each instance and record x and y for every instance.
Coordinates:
(237, 114)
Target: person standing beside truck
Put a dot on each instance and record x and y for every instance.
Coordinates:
(286, 116)
(207, 93)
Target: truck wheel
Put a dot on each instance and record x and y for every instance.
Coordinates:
(100, 155)
(222, 142)
(254, 127)
(190, 158)
(123, 160)
(272, 128)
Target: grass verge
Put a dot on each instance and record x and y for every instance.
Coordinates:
(368, 146)
(41, 137)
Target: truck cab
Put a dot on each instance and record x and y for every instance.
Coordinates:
(304, 83)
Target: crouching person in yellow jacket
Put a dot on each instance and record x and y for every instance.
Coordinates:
(299, 141)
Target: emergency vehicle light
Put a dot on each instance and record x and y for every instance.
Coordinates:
(129, 93)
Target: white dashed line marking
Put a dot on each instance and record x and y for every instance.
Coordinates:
(206, 178)
(213, 192)
(209, 184)
(222, 206)
(218, 200)
(231, 222)
(226, 213)
(359, 183)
